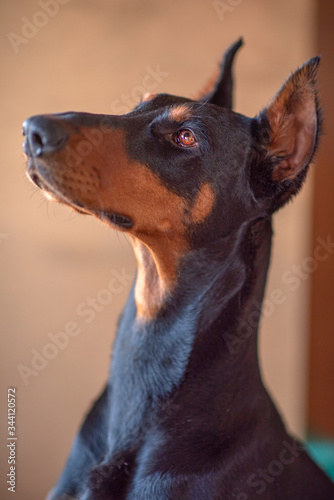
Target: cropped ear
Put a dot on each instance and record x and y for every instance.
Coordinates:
(219, 90)
(287, 132)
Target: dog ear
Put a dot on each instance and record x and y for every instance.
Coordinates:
(219, 90)
(287, 132)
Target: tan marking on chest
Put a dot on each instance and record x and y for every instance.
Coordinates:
(151, 290)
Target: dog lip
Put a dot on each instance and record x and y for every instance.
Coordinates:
(119, 220)
(37, 174)
(35, 179)
(32, 173)
(38, 179)
(50, 191)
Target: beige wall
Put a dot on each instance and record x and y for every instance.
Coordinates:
(85, 57)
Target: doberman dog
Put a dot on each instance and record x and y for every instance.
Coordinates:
(184, 414)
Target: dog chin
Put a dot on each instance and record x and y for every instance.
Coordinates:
(51, 195)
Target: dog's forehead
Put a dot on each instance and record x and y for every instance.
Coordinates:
(178, 110)
(174, 107)
(160, 101)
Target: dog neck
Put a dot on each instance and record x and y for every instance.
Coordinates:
(152, 281)
(208, 277)
(208, 328)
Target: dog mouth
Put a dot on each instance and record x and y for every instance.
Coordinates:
(119, 221)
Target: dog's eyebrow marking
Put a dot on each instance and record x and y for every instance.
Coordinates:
(203, 204)
(180, 113)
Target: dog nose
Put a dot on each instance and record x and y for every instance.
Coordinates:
(44, 135)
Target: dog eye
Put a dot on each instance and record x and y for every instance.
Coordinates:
(184, 138)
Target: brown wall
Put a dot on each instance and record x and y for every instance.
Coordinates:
(321, 378)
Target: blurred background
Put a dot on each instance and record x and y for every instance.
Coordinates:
(95, 56)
